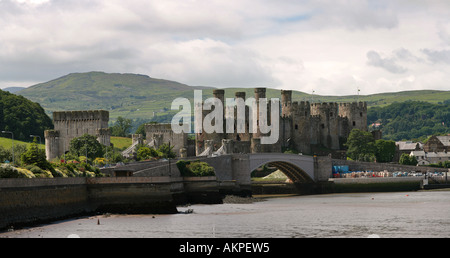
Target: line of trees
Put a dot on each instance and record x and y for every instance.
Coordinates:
(411, 120)
(22, 116)
(361, 146)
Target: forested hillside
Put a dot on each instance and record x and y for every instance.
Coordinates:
(22, 117)
(411, 120)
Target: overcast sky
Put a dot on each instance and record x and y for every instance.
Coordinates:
(332, 47)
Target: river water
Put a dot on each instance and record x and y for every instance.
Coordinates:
(423, 214)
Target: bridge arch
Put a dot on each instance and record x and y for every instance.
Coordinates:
(294, 173)
(300, 169)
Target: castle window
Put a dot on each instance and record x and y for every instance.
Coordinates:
(354, 123)
(360, 114)
(323, 126)
(296, 127)
(331, 113)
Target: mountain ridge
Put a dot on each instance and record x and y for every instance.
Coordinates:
(139, 96)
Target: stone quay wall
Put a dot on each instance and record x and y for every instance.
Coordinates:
(30, 201)
(373, 166)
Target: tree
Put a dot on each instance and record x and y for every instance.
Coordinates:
(22, 116)
(166, 151)
(121, 127)
(361, 145)
(194, 168)
(411, 119)
(141, 130)
(35, 156)
(406, 159)
(86, 145)
(144, 153)
(385, 150)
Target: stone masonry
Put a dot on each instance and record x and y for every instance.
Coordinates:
(71, 124)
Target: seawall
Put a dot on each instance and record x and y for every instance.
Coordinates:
(31, 201)
(374, 166)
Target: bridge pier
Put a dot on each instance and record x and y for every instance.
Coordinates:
(322, 168)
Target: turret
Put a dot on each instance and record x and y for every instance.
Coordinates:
(286, 103)
(356, 113)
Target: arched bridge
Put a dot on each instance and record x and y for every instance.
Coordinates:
(298, 168)
(238, 167)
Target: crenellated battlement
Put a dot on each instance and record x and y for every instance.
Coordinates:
(324, 104)
(361, 105)
(51, 133)
(302, 108)
(80, 115)
(158, 128)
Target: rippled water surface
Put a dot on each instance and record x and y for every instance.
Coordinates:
(404, 214)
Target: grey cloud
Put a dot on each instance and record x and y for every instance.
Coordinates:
(437, 56)
(355, 15)
(389, 64)
(406, 55)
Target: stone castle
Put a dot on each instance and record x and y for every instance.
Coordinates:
(71, 124)
(304, 127)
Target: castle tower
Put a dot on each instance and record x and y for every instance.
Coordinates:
(240, 94)
(215, 138)
(71, 124)
(239, 136)
(51, 144)
(104, 136)
(259, 94)
(163, 134)
(286, 103)
(301, 126)
(356, 113)
(328, 127)
(220, 94)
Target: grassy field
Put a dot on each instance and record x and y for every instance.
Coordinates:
(121, 142)
(7, 143)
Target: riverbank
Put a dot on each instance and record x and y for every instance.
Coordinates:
(340, 185)
(418, 214)
(31, 201)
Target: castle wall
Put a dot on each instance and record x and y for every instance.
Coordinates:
(163, 133)
(302, 124)
(71, 124)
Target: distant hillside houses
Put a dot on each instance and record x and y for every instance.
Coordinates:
(435, 150)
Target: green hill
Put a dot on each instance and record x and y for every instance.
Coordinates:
(411, 120)
(139, 96)
(128, 95)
